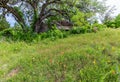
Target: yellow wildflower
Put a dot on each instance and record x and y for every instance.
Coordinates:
(94, 62)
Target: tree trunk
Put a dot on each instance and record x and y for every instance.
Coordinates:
(40, 27)
(37, 26)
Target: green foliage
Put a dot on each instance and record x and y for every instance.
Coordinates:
(17, 9)
(83, 29)
(91, 7)
(14, 34)
(17, 34)
(53, 34)
(98, 26)
(87, 29)
(117, 21)
(79, 18)
(110, 24)
(51, 20)
(77, 10)
(3, 24)
(79, 58)
(78, 30)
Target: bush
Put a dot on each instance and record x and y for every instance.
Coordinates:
(18, 35)
(81, 30)
(3, 24)
(98, 26)
(6, 32)
(79, 18)
(53, 34)
(78, 30)
(117, 21)
(110, 24)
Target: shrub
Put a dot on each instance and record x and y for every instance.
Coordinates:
(6, 32)
(53, 34)
(98, 26)
(81, 30)
(117, 21)
(3, 24)
(110, 24)
(78, 30)
(18, 35)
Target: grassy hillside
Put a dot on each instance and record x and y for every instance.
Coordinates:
(92, 57)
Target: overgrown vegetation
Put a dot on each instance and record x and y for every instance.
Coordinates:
(94, 57)
(59, 41)
(114, 23)
(3, 24)
(16, 34)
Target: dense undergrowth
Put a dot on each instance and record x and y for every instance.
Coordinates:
(90, 57)
(17, 34)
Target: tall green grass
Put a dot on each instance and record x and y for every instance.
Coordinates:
(90, 57)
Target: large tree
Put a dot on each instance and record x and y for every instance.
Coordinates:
(35, 12)
(91, 7)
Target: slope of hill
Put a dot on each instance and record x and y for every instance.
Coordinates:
(91, 57)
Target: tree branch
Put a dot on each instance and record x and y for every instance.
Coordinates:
(46, 4)
(18, 18)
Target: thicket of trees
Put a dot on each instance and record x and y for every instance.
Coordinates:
(41, 15)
